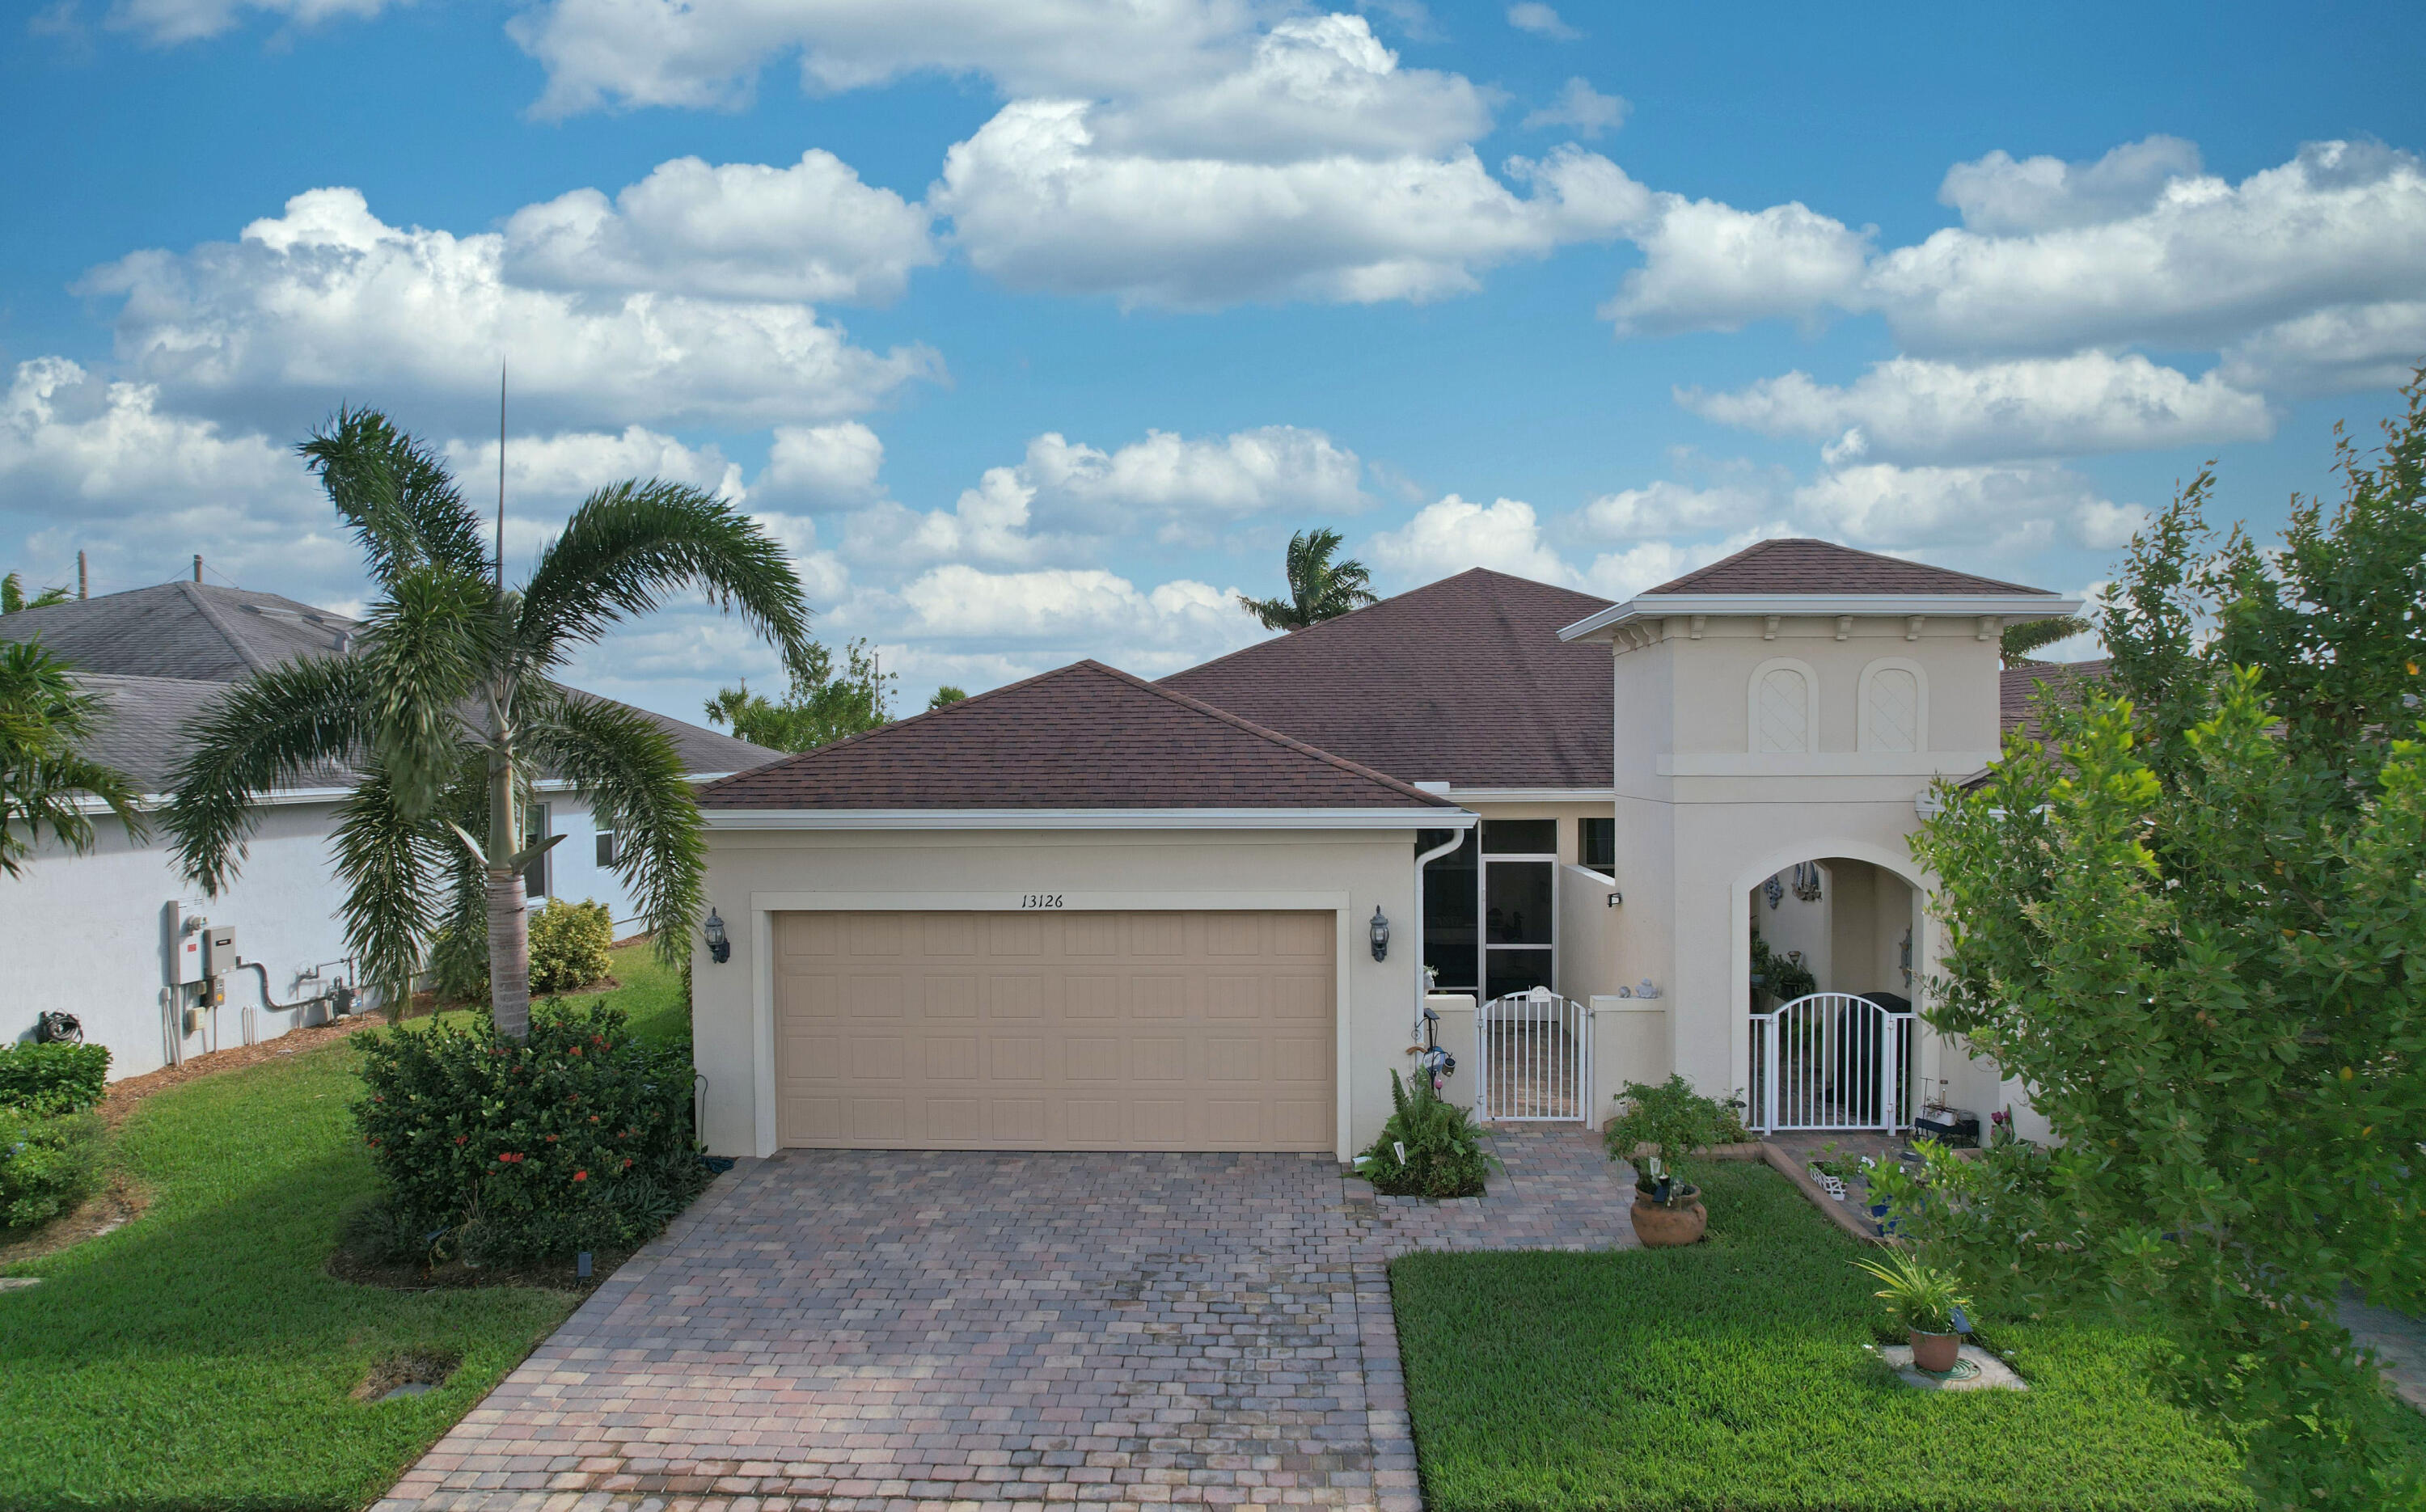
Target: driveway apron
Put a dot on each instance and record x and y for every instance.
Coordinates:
(892, 1330)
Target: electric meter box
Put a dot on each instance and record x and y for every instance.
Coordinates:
(219, 949)
(189, 958)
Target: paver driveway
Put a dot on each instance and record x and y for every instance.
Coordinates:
(863, 1330)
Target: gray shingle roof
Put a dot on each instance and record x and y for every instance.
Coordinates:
(1797, 565)
(1083, 736)
(159, 656)
(1463, 681)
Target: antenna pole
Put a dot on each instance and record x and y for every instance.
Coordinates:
(501, 474)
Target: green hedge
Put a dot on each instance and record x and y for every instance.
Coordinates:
(577, 1138)
(569, 945)
(47, 1166)
(43, 1079)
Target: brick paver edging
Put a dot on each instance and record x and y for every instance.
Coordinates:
(850, 1331)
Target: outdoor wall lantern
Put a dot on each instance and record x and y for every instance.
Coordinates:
(720, 949)
(1381, 935)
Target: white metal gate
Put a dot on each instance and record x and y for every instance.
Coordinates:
(1535, 1050)
(1832, 1060)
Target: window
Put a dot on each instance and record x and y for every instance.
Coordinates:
(1521, 837)
(607, 847)
(1779, 708)
(1597, 844)
(1452, 930)
(1895, 706)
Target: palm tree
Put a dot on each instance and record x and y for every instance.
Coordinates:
(44, 719)
(2019, 641)
(449, 713)
(12, 595)
(1319, 589)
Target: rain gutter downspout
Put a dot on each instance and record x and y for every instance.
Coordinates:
(1456, 838)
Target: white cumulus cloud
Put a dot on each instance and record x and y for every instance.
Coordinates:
(1667, 508)
(737, 230)
(2000, 510)
(830, 465)
(1710, 266)
(1056, 614)
(1912, 409)
(1582, 108)
(1540, 19)
(327, 301)
(167, 22)
(2001, 197)
(1452, 535)
(2333, 350)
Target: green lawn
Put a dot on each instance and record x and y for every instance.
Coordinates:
(201, 1356)
(1732, 1375)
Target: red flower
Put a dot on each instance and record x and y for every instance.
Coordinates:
(581, 1176)
(627, 1162)
(510, 1159)
(551, 1139)
(576, 1050)
(461, 1138)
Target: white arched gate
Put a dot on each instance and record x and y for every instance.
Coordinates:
(1534, 1051)
(1832, 1060)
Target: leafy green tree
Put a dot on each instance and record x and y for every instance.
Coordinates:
(448, 712)
(12, 595)
(2019, 641)
(45, 719)
(1319, 589)
(819, 709)
(946, 693)
(2196, 928)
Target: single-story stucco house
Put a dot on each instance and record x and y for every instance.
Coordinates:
(1087, 911)
(115, 937)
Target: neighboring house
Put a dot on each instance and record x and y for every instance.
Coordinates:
(1086, 911)
(105, 936)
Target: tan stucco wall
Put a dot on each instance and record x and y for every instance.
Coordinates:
(753, 874)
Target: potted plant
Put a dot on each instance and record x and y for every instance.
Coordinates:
(1656, 1127)
(1925, 1302)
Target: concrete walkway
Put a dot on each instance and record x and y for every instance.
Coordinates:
(873, 1329)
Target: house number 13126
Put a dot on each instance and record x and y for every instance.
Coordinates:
(1040, 900)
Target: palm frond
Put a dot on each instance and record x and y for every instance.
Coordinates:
(631, 544)
(429, 643)
(397, 496)
(627, 767)
(263, 735)
(387, 857)
(458, 957)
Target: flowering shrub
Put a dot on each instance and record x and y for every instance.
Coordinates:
(1430, 1147)
(52, 1078)
(47, 1166)
(577, 1138)
(568, 945)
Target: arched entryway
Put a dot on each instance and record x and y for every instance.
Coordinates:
(1829, 951)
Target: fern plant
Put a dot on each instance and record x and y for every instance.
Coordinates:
(1430, 1147)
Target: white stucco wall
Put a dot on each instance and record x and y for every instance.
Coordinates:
(753, 874)
(90, 934)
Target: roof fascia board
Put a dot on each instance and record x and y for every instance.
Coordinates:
(1531, 795)
(1885, 605)
(903, 819)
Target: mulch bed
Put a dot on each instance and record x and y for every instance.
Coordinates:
(405, 1276)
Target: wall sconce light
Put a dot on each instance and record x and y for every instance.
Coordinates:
(720, 949)
(1381, 931)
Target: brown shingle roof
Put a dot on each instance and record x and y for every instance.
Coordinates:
(1085, 736)
(1464, 681)
(2017, 690)
(1803, 566)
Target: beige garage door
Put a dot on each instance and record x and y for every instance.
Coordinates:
(1055, 1031)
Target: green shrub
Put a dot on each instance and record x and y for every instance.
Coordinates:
(47, 1166)
(52, 1078)
(568, 945)
(578, 1138)
(1676, 1121)
(1430, 1147)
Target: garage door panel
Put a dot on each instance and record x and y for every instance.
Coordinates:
(1090, 1031)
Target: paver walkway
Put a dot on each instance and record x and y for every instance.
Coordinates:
(866, 1329)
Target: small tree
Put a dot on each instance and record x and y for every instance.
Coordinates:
(44, 721)
(1319, 589)
(819, 708)
(946, 693)
(2196, 928)
(13, 597)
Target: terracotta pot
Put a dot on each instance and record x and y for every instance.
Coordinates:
(1935, 1352)
(1659, 1227)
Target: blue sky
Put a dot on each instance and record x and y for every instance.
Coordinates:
(1075, 309)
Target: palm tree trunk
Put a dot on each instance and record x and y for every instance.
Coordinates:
(508, 954)
(508, 908)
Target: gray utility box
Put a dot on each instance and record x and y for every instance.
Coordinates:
(218, 950)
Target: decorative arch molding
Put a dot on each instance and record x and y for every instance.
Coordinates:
(1892, 706)
(1782, 708)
